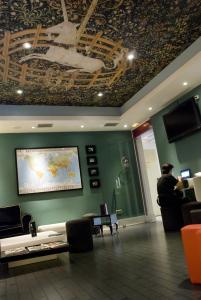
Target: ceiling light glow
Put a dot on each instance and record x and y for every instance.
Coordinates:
(150, 108)
(125, 125)
(135, 125)
(82, 126)
(185, 83)
(131, 56)
(26, 45)
(19, 92)
(100, 94)
(33, 127)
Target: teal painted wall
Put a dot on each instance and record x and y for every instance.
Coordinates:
(54, 207)
(184, 153)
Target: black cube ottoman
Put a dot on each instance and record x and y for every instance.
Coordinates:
(79, 235)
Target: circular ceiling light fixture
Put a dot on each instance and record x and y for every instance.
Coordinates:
(150, 108)
(19, 92)
(185, 83)
(100, 94)
(125, 125)
(82, 126)
(27, 45)
(33, 127)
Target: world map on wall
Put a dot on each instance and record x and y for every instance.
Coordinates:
(79, 48)
(51, 169)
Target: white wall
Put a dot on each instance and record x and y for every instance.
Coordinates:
(153, 172)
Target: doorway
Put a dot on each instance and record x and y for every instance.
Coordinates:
(150, 171)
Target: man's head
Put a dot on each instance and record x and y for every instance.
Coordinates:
(166, 168)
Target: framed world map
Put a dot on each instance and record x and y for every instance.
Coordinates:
(48, 169)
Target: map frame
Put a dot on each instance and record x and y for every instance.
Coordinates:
(39, 150)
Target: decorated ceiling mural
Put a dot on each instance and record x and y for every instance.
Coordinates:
(62, 52)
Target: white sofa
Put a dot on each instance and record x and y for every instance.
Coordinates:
(58, 227)
(27, 240)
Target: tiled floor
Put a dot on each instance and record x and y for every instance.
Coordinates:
(141, 262)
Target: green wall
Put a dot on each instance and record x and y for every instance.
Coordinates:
(65, 205)
(184, 153)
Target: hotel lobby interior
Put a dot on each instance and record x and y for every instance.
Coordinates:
(86, 87)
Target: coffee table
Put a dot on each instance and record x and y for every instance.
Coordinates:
(25, 247)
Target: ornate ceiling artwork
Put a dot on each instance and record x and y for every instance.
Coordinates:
(79, 48)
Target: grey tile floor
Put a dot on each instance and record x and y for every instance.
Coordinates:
(141, 262)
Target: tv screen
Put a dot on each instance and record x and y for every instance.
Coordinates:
(182, 120)
(48, 169)
(185, 173)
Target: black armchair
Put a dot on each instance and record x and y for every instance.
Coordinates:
(171, 214)
(12, 222)
(191, 212)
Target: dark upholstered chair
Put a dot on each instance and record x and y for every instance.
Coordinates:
(196, 216)
(13, 222)
(172, 218)
(79, 235)
(189, 212)
(171, 214)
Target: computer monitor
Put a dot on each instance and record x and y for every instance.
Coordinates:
(185, 173)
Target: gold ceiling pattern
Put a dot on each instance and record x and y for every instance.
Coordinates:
(79, 48)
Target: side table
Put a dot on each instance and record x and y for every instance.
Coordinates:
(109, 220)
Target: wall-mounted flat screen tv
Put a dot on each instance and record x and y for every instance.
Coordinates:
(48, 170)
(184, 119)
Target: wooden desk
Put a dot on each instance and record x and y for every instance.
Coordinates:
(109, 220)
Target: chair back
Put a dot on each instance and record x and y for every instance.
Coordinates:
(197, 187)
(103, 209)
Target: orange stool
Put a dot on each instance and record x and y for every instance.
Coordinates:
(191, 237)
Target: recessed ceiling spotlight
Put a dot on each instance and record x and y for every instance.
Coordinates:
(19, 92)
(27, 45)
(150, 108)
(82, 126)
(185, 83)
(131, 56)
(135, 125)
(100, 94)
(33, 127)
(125, 125)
